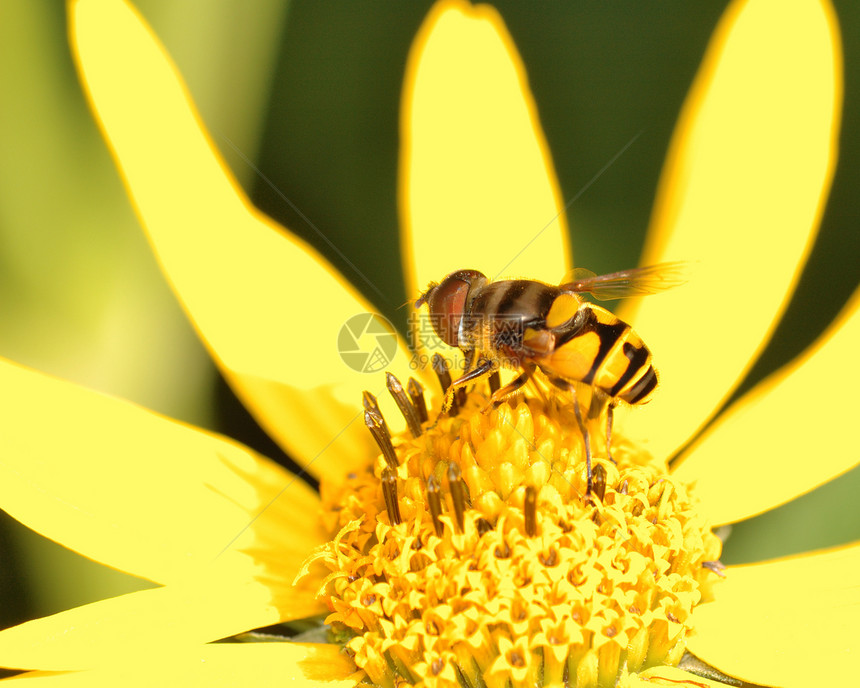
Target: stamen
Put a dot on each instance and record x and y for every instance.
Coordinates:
(434, 501)
(440, 367)
(370, 404)
(375, 423)
(458, 494)
(495, 381)
(404, 403)
(389, 492)
(530, 510)
(416, 392)
(599, 481)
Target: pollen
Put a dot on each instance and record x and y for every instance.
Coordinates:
(472, 552)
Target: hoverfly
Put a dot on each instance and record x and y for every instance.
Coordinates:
(529, 325)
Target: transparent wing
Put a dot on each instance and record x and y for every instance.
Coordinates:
(649, 279)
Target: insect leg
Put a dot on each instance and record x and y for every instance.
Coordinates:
(470, 358)
(453, 399)
(610, 412)
(589, 476)
(566, 386)
(449, 401)
(484, 367)
(600, 401)
(506, 391)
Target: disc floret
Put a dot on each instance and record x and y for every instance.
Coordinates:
(481, 558)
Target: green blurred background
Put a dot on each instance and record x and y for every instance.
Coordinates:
(302, 97)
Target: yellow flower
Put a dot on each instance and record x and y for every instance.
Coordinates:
(225, 533)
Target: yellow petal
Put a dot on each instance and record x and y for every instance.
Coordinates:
(228, 665)
(741, 196)
(790, 434)
(791, 622)
(477, 186)
(269, 307)
(207, 607)
(142, 493)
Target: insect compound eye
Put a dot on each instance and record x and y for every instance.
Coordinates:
(447, 303)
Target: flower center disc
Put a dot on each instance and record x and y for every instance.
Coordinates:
(478, 559)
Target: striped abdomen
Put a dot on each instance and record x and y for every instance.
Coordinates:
(599, 349)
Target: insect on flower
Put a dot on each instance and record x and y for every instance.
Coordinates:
(529, 326)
